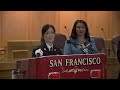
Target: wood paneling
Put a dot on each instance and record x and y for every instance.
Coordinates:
(115, 24)
(21, 49)
(0, 29)
(67, 18)
(15, 26)
(98, 20)
(6, 69)
(113, 68)
(27, 25)
(40, 18)
(57, 21)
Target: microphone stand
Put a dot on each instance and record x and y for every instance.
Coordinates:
(108, 43)
(67, 31)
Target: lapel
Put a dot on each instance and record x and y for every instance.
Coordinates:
(46, 50)
(53, 52)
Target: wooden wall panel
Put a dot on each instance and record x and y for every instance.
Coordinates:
(27, 25)
(98, 20)
(40, 18)
(115, 24)
(67, 18)
(83, 15)
(36, 28)
(0, 29)
(15, 25)
(57, 21)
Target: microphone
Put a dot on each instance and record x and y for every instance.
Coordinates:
(108, 43)
(67, 31)
(39, 53)
(104, 34)
(106, 40)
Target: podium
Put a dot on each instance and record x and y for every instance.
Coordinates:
(82, 66)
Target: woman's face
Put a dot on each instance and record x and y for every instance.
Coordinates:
(80, 29)
(49, 35)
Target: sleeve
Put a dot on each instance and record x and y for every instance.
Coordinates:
(67, 49)
(33, 53)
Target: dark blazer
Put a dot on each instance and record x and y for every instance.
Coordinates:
(46, 52)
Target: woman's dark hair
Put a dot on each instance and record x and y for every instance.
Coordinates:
(74, 34)
(44, 29)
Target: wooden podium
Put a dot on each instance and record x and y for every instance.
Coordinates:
(90, 66)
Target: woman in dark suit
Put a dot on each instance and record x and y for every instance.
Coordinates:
(47, 48)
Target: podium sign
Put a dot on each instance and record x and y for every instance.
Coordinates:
(83, 66)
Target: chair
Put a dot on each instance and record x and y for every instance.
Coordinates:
(100, 44)
(60, 41)
(115, 40)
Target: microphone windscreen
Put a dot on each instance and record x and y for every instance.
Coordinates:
(39, 52)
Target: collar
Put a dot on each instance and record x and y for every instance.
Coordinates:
(48, 46)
